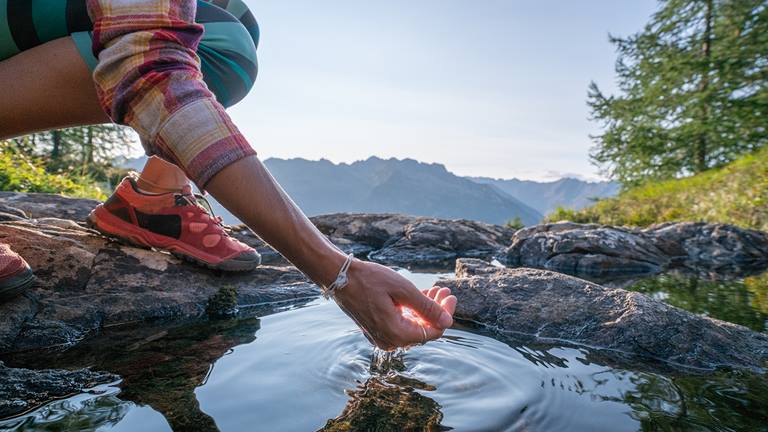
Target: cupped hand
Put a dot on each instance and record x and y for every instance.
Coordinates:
(390, 310)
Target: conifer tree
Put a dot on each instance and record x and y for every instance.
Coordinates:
(693, 91)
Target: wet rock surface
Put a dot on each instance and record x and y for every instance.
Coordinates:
(551, 307)
(597, 250)
(24, 389)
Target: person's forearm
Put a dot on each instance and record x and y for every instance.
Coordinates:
(247, 190)
(374, 296)
(149, 78)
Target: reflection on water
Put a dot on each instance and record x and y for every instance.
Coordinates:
(309, 368)
(388, 400)
(160, 367)
(740, 300)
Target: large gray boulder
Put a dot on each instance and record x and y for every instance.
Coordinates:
(415, 242)
(599, 250)
(553, 307)
(585, 249)
(719, 248)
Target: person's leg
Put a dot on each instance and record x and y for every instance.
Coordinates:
(159, 176)
(50, 86)
(47, 87)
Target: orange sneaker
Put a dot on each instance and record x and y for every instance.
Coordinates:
(15, 274)
(180, 223)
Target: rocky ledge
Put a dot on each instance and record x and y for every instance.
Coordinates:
(88, 283)
(429, 243)
(552, 307)
(598, 250)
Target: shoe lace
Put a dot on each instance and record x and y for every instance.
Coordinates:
(199, 201)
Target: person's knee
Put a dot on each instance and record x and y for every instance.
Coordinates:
(228, 53)
(240, 11)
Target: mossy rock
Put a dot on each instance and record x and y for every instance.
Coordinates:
(382, 406)
(223, 303)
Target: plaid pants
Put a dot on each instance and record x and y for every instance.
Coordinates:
(148, 77)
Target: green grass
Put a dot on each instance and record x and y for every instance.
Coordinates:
(736, 194)
(21, 174)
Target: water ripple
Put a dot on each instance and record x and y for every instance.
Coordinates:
(309, 365)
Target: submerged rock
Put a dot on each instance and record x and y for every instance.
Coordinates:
(388, 401)
(598, 250)
(23, 389)
(552, 307)
(380, 405)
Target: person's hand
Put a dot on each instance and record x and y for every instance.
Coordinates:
(390, 310)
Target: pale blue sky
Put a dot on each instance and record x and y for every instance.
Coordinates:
(486, 87)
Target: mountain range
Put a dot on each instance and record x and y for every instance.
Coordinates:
(545, 197)
(394, 186)
(407, 186)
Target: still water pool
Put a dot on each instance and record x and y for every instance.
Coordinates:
(309, 368)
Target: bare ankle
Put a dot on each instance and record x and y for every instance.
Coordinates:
(159, 187)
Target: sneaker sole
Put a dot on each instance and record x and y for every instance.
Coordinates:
(15, 285)
(109, 225)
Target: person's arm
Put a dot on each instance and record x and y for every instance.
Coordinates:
(148, 77)
(374, 293)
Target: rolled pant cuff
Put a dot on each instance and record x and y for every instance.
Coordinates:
(216, 157)
(201, 139)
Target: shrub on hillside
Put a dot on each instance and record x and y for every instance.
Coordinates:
(20, 174)
(735, 194)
